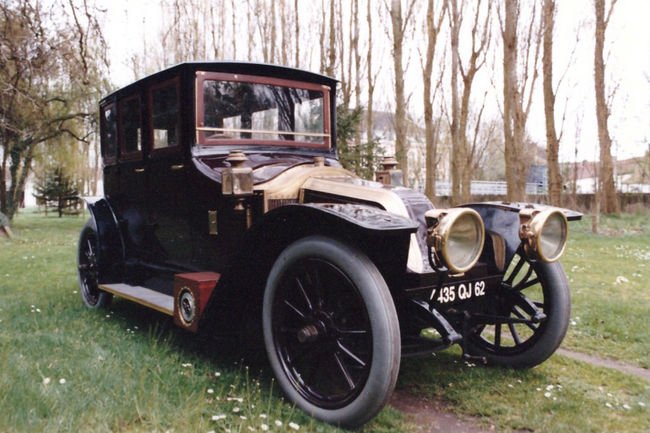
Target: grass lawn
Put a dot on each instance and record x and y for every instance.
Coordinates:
(609, 275)
(65, 368)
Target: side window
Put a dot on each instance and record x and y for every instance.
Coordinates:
(165, 122)
(130, 127)
(108, 124)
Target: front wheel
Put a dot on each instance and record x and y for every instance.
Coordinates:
(331, 331)
(532, 310)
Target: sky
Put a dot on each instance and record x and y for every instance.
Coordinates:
(627, 69)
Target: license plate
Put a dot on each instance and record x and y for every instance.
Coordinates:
(459, 292)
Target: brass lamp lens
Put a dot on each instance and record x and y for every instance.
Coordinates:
(553, 237)
(462, 233)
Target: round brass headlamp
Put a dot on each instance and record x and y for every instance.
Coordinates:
(457, 237)
(544, 233)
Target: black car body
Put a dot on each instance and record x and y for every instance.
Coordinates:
(225, 205)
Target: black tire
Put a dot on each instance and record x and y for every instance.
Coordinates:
(535, 339)
(88, 268)
(331, 331)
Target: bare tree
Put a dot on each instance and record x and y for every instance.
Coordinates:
(431, 126)
(607, 188)
(371, 78)
(552, 141)
(518, 85)
(462, 153)
(399, 24)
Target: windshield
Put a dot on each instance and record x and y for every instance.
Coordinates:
(249, 112)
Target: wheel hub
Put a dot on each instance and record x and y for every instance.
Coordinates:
(308, 334)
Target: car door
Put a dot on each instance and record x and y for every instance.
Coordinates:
(167, 172)
(133, 176)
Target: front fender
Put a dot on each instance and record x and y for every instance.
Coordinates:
(383, 236)
(111, 249)
(502, 219)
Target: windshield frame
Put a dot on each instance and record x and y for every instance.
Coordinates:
(200, 129)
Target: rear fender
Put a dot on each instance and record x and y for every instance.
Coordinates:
(111, 250)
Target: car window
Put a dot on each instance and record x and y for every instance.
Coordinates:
(279, 112)
(165, 124)
(109, 133)
(130, 127)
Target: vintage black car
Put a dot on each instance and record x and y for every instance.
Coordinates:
(225, 206)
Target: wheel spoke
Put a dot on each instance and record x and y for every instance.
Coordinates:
(344, 371)
(514, 272)
(349, 353)
(294, 309)
(527, 321)
(497, 335)
(527, 284)
(514, 333)
(310, 306)
(523, 280)
(355, 332)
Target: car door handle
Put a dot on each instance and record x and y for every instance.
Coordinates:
(177, 166)
(138, 170)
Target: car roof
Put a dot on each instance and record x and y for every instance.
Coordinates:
(247, 68)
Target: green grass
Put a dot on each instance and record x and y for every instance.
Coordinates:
(65, 368)
(559, 396)
(608, 275)
(128, 369)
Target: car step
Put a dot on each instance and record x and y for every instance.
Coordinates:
(143, 296)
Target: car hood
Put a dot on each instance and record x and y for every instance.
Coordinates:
(266, 166)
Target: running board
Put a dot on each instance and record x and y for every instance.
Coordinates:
(143, 296)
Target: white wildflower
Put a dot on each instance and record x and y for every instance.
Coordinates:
(217, 374)
(242, 417)
(46, 381)
(62, 381)
(626, 407)
(263, 415)
(621, 280)
(642, 404)
(236, 409)
(547, 394)
(609, 405)
(264, 427)
(218, 417)
(294, 426)
(278, 423)
(549, 387)
(210, 391)
(186, 365)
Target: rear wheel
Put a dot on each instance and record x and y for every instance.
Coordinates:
(532, 312)
(88, 268)
(331, 331)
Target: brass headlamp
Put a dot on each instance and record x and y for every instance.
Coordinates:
(543, 233)
(456, 236)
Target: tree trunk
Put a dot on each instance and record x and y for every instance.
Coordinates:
(552, 142)
(458, 158)
(371, 79)
(401, 142)
(607, 186)
(428, 96)
(510, 96)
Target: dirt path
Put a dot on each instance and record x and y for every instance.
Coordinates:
(597, 361)
(432, 416)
